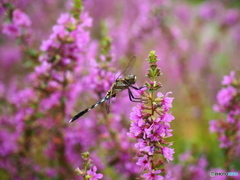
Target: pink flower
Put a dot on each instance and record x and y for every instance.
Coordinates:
(167, 101)
(167, 118)
(93, 175)
(23, 97)
(231, 117)
(20, 18)
(11, 30)
(208, 10)
(225, 95)
(51, 172)
(65, 18)
(168, 131)
(46, 44)
(43, 68)
(148, 149)
(50, 102)
(202, 162)
(155, 132)
(144, 162)
(135, 129)
(60, 31)
(227, 80)
(143, 147)
(140, 144)
(87, 21)
(225, 142)
(213, 126)
(136, 115)
(185, 156)
(153, 175)
(168, 153)
(231, 17)
(217, 108)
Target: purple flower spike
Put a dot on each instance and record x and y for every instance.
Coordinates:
(228, 129)
(151, 125)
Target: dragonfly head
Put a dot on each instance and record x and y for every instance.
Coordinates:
(131, 79)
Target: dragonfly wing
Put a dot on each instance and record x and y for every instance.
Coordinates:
(128, 67)
(107, 105)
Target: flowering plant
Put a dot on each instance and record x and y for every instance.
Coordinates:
(56, 60)
(151, 125)
(228, 129)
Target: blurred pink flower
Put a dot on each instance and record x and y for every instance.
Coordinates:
(228, 79)
(208, 10)
(93, 175)
(231, 17)
(225, 95)
(20, 18)
(225, 142)
(11, 29)
(228, 129)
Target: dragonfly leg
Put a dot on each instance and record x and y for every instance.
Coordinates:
(136, 88)
(130, 92)
(131, 97)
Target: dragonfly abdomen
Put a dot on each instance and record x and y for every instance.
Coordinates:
(86, 110)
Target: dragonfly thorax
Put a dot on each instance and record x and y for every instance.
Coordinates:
(130, 79)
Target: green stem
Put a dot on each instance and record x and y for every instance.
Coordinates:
(151, 96)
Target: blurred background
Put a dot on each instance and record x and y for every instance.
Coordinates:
(197, 43)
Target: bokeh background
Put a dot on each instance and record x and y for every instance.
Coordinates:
(197, 43)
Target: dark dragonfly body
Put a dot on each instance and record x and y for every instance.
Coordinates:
(118, 86)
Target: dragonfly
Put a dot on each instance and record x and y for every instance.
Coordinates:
(120, 84)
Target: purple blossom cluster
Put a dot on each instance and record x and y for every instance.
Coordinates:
(229, 104)
(62, 61)
(188, 52)
(194, 168)
(39, 108)
(152, 128)
(40, 88)
(16, 28)
(18, 24)
(60, 70)
(188, 168)
(111, 130)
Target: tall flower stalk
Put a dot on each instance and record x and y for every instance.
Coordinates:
(89, 171)
(151, 125)
(228, 129)
(38, 111)
(111, 130)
